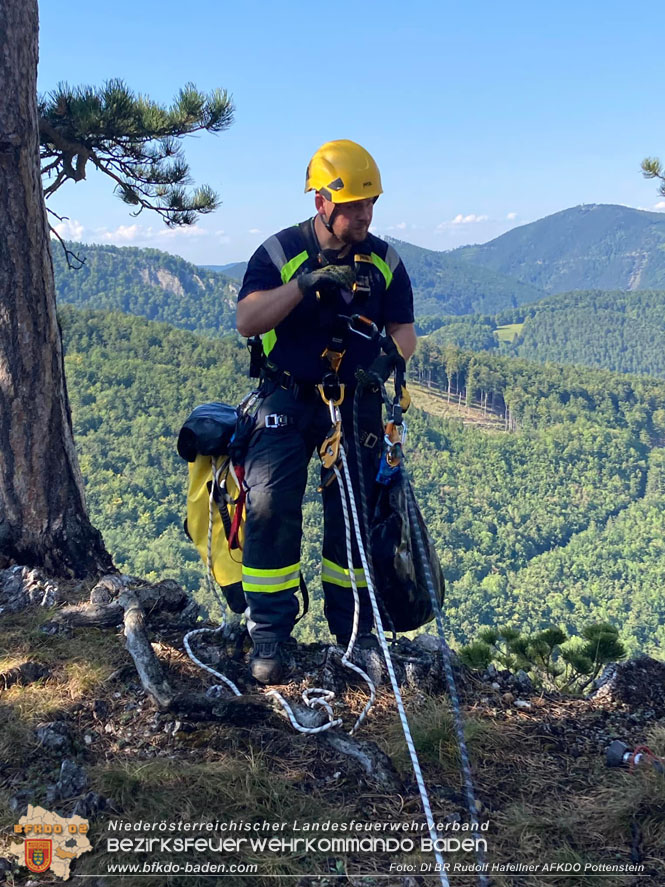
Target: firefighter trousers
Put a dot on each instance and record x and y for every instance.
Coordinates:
(290, 426)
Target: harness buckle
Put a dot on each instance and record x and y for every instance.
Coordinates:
(333, 357)
(277, 420)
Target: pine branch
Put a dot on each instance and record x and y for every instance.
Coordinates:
(134, 141)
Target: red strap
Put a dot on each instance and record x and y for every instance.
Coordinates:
(234, 540)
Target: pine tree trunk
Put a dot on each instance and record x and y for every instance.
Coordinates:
(43, 519)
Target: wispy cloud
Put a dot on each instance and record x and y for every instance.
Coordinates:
(143, 235)
(187, 232)
(471, 219)
(511, 217)
(461, 219)
(254, 231)
(123, 233)
(69, 229)
(659, 205)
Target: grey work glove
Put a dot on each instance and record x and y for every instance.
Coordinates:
(327, 281)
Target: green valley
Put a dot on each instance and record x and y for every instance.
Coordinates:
(580, 465)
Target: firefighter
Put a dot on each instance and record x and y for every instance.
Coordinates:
(300, 289)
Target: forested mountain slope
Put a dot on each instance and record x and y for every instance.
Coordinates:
(148, 283)
(619, 331)
(584, 448)
(595, 246)
(444, 284)
(164, 287)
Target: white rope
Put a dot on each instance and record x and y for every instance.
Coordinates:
(322, 702)
(393, 680)
(317, 696)
(346, 660)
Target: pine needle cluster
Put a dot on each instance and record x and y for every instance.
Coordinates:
(553, 660)
(133, 140)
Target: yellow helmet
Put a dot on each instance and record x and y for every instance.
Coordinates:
(343, 171)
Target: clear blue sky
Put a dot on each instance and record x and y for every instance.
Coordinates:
(482, 116)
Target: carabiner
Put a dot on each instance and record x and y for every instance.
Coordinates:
(355, 319)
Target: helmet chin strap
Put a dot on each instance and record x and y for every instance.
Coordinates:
(328, 223)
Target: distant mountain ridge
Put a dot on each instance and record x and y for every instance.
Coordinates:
(593, 246)
(442, 283)
(148, 283)
(235, 270)
(587, 247)
(445, 284)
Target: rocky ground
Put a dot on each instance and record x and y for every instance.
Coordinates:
(79, 734)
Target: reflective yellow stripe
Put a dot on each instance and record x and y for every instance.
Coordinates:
(270, 589)
(335, 574)
(270, 580)
(269, 341)
(286, 270)
(384, 268)
(292, 266)
(272, 571)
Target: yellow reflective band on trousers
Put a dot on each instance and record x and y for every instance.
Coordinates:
(338, 575)
(384, 268)
(270, 580)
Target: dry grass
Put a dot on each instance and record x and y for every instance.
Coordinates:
(542, 803)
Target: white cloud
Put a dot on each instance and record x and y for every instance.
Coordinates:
(186, 231)
(69, 229)
(254, 231)
(461, 219)
(659, 205)
(471, 219)
(511, 217)
(126, 233)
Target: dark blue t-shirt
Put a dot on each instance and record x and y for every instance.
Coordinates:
(303, 334)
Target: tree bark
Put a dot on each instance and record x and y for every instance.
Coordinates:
(43, 518)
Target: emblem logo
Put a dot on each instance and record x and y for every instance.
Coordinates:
(38, 854)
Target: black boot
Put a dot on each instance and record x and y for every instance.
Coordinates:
(266, 664)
